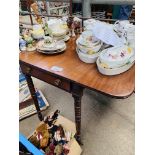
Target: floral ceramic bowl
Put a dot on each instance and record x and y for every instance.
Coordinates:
(87, 58)
(112, 71)
(87, 39)
(58, 29)
(38, 32)
(116, 56)
(59, 32)
(87, 49)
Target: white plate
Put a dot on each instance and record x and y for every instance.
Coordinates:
(64, 38)
(58, 45)
(67, 37)
(52, 52)
(113, 71)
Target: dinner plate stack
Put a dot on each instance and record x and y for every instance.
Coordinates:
(115, 60)
(50, 46)
(88, 47)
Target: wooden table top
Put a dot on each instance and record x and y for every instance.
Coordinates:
(87, 75)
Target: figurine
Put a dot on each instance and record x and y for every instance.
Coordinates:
(68, 136)
(22, 44)
(58, 149)
(33, 139)
(51, 120)
(74, 24)
(35, 9)
(47, 151)
(56, 114)
(23, 31)
(42, 6)
(30, 42)
(47, 31)
(57, 136)
(69, 21)
(42, 135)
(65, 149)
(61, 131)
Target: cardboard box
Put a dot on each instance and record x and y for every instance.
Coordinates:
(74, 147)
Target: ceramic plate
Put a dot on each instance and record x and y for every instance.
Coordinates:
(58, 45)
(52, 52)
(64, 38)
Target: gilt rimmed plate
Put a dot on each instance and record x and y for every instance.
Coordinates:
(52, 52)
(58, 46)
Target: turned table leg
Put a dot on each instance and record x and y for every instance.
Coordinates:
(77, 93)
(33, 94)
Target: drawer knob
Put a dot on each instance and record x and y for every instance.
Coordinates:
(28, 70)
(57, 82)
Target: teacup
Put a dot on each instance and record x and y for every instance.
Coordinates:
(48, 42)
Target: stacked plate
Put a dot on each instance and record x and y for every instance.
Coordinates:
(115, 60)
(50, 46)
(88, 47)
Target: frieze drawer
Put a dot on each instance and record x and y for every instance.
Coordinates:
(51, 79)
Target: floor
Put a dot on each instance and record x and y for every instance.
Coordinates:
(108, 125)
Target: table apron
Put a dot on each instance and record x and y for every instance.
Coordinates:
(51, 79)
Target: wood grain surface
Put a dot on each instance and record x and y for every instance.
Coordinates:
(76, 71)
